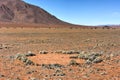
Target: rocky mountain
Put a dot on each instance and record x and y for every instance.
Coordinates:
(22, 12)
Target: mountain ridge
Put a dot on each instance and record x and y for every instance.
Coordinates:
(22, 12)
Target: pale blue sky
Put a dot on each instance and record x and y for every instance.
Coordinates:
(83, 12)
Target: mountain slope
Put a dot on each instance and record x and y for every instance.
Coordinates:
(21, 12)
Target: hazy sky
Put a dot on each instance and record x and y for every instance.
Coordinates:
(85, 12)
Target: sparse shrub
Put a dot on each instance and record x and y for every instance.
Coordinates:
(29, 54)
(52, 66)
(106, 27)
(67, 52)
(73, 63)
(24, 59)
(71, 27)
(97, 60)
(88, 62)
(73, 57)
(59, 51)
(90, 57)
(59, 72)
(43, 52)
(95, 27)
(83, 55)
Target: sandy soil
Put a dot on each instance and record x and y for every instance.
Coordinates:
(22, 40)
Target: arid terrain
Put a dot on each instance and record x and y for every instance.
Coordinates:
(59, 54)
(36, 45)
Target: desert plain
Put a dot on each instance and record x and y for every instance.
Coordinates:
(59, 53)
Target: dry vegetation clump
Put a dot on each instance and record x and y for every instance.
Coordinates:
(5, 46)
(29, 54)
(24, 59)
(52, 66)
(67, 52)
(43, 52)
(90, 57)
(73, 63)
